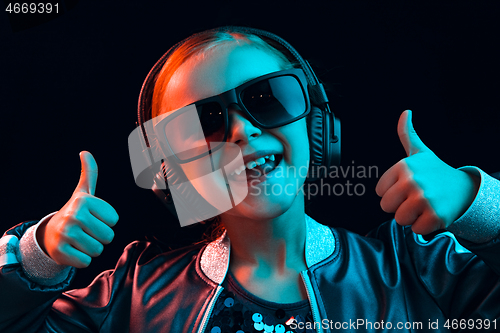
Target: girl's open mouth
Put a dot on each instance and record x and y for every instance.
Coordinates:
(258, 170)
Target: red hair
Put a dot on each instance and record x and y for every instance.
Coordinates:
(200, 45)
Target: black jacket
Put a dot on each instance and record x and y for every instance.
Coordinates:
(392, 276)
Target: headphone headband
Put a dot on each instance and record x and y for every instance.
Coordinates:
(318, 94)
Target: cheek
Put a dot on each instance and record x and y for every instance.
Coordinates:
(296, 142)
(204, 181)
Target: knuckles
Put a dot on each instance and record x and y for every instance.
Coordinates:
(72, 215)
(71, 230)
(68, 215)
(81, 199)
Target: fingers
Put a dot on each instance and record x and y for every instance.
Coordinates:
(101, 210)
(85, 243)
(408, 188)
(96, 219)
(84, 233)
(415, 211)
(394, 197)
(97, 229)
(402, 195)
(407, 135)
(388, 179)
(68, 255)
(82, 227)
(426, 223)
(408, 212)
(88, 177)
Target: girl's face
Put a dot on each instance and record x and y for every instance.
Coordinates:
(222, 69)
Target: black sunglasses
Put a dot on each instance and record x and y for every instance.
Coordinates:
(269, 101)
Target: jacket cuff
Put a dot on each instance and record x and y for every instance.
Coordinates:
(9, 245)
(38, 266)
(481, 222)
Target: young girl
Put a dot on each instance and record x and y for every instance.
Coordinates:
(273, 269)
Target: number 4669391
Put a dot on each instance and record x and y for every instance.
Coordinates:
(31, 8)
(477, 324)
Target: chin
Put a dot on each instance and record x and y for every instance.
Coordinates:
(262, 207)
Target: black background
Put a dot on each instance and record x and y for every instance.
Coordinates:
(70, 82)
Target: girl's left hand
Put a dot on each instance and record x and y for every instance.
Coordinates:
(422, 190)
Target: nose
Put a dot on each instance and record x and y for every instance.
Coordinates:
(241, 130)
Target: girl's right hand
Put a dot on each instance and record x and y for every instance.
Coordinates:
(82, 227)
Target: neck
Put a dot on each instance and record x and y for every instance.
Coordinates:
(269, 246)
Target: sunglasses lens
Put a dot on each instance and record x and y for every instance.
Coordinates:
(275, 101)
(192, 130)
(272, 102)
(212, 121)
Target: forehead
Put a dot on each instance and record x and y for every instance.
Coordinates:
(219, 70)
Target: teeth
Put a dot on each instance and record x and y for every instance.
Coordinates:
(260, 161)
(252, 164)
(240, 169)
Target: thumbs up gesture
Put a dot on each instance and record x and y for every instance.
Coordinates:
(422, 190)
(80, 229)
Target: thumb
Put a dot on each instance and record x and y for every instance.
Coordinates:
(88, 177)
(407, 135)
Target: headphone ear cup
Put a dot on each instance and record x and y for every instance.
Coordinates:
(334, 138)
(324, 142)
(316, 151)
(193, 207)
(163, 181)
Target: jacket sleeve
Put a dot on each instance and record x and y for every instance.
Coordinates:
(23, 303)
(462, 276)
(27, 306)
(479, 228)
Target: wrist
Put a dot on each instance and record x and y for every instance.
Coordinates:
(39, 234)
(471, 188)
(481, 221)
(37, 265)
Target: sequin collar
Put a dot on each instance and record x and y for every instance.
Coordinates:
(320, 244)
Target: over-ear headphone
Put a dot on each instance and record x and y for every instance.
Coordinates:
(323, 126)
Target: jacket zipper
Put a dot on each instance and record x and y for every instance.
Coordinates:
(206, 317)
(312, 302)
